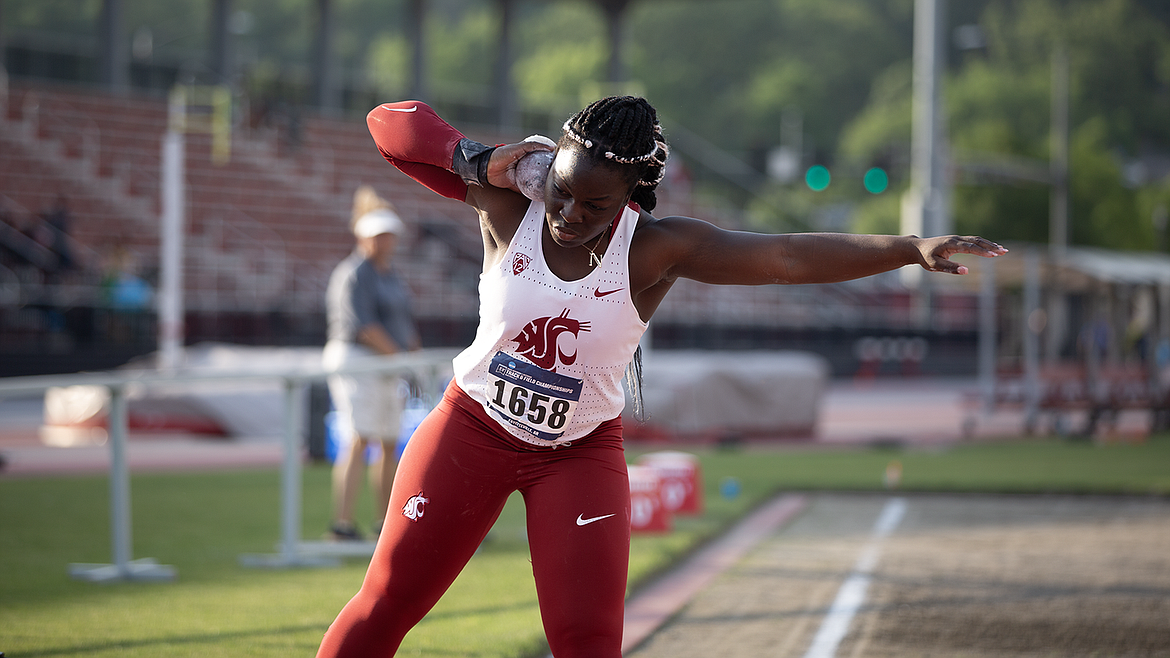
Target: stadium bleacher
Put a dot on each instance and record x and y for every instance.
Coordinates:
(264, 229)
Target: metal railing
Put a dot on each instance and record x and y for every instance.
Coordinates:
(427, 366)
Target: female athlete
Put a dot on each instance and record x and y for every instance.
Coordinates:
(569, 282)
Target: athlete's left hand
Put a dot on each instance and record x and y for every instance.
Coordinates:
(935, 253)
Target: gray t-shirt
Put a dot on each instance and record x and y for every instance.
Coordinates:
(360, 295)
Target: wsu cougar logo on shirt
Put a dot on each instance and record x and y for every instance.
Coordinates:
(413, 509)
(538, 340)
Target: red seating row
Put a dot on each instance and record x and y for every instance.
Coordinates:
(294, 197)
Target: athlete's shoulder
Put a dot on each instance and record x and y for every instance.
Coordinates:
(672, 228)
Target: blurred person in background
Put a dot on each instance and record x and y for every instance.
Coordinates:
(127, 295)
(368, 308)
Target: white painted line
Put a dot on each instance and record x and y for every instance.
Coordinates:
(891, 516)
(851, 596)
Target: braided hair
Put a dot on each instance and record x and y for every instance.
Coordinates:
(624, 131)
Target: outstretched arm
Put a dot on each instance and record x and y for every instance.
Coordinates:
(697, 250)
(830, 257)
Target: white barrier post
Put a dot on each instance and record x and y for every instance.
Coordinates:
(119, 481)
(1031, 340)
(123, 567)
(292, 551)
(987, 328)
(290, 554)
(426, 368)
(290, 484)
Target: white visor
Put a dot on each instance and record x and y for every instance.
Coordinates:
(377, 222)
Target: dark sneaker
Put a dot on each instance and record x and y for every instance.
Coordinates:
(345, 532)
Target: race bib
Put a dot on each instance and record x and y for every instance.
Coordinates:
(536, 400)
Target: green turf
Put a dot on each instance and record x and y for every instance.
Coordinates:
(202, 522)
(1025, 466)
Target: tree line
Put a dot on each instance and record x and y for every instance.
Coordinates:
(831, 78)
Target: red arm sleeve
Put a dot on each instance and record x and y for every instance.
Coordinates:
(412, 137)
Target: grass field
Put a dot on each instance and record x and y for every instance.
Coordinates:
(202, 522)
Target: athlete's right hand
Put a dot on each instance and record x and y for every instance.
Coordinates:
(502, 165)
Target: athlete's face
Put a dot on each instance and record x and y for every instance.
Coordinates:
(581, 198)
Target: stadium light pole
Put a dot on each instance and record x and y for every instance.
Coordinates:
(1057, 205)
(3, 52)
(113, 70)
(416, 28)
(170, 300)
(220, 56)
(928, 148)
(925, 206)
(615, 25)
(507, 116)
(325, 89)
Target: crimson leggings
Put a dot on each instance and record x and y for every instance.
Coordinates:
(454, 478)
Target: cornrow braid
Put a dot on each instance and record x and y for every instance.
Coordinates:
(641, 158)
(625, 131)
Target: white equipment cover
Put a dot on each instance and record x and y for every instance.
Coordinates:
(726, 394)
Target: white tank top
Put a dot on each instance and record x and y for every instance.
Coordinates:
(549, 355)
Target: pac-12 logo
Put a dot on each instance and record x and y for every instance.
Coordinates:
(413, 509)
(538, 340)
(520, 263)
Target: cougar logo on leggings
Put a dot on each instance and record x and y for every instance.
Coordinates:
(538, 340)
(413, 509)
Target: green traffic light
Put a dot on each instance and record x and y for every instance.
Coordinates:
(876, 181)
(817, 178)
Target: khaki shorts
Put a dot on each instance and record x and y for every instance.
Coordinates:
(370, 404)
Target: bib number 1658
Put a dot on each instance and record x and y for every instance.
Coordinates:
(538, 408)
(535, 400)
